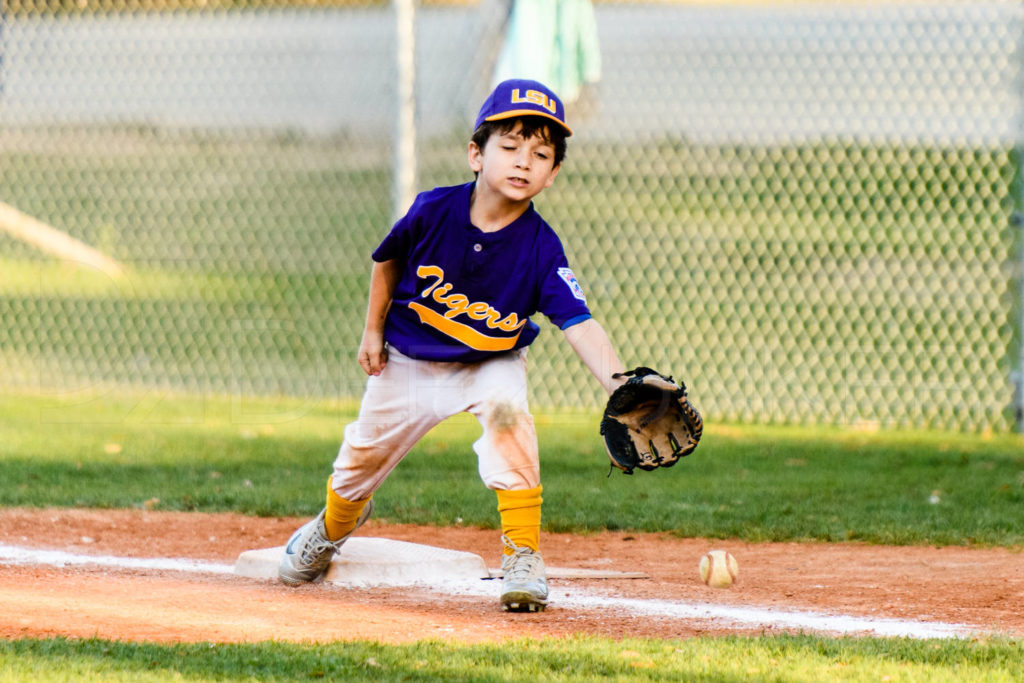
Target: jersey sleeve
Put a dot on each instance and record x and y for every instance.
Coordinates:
(561, 297)
(398, 242)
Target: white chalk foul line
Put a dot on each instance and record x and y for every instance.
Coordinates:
(58, 558)
(764, 617)
(737, 615)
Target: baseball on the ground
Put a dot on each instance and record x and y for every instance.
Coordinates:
(718, 569)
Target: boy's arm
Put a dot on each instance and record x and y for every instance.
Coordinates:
(383, 280)
(591, 343)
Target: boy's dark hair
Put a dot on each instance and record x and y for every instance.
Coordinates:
(532, 125)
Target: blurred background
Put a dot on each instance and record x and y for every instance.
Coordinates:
(805, 210)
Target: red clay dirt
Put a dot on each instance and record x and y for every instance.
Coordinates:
(982, 588)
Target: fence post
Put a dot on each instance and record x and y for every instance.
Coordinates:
(404, 171)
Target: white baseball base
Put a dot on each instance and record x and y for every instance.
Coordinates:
(376, 562)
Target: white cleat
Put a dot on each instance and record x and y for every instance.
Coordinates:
(524, 584)
(308, 553)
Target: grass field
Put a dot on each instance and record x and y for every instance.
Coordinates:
(785, 658)
(269, 457)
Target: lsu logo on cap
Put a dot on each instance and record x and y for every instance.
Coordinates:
(535, 97)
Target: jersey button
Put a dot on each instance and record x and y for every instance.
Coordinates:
(478, 247)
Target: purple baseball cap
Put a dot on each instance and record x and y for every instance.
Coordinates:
(521, 97)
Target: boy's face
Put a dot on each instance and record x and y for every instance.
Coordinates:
(512, 166)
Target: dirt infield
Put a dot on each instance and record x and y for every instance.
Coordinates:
(980, 588)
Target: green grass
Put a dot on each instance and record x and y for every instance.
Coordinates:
(775, 658)
(271, 456)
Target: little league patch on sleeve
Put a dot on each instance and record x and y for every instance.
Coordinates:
(567, 275)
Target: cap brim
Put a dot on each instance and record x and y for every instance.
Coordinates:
(529, 112)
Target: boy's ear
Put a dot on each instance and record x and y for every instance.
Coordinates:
(551, 178)
(475, 157)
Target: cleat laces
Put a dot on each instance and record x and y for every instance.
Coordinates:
(315, 552)
(523, 564)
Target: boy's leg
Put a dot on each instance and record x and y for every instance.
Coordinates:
(396, 411)
(509, 463)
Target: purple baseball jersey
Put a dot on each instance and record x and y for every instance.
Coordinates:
(464, 294)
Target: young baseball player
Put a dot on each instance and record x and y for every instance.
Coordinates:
(452, 290)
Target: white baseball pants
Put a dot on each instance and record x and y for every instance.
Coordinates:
(410, 397)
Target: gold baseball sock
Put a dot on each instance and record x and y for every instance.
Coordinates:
(520, 516)
(341, 514)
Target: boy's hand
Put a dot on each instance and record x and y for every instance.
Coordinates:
(373, 355)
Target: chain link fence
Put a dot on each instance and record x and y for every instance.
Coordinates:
(802, 209)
